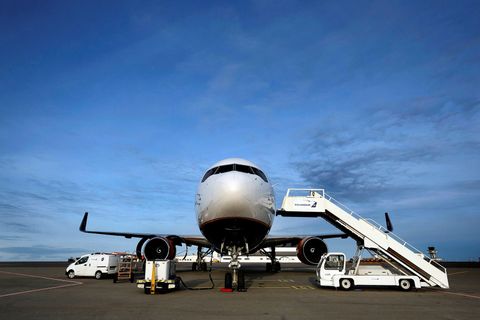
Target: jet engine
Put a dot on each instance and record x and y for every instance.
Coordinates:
(310, 250)
(159, 249)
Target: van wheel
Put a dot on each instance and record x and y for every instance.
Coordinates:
(405, 285)
(346, 284)
(98, 275)
(71, 274)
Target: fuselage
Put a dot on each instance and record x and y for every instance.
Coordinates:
(235, 205)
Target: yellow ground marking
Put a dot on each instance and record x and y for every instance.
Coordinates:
(460, 272)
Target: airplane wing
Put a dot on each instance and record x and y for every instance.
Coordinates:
(294, 240)
(188, 240)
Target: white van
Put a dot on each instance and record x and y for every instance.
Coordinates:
(95, 265)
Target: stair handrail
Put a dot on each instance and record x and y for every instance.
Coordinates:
(378, 226)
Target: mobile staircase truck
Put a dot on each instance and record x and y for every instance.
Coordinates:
(367, 233)
(332, 271)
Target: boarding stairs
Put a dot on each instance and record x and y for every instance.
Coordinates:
(368, 233)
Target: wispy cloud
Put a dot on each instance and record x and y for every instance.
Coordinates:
(387, 149)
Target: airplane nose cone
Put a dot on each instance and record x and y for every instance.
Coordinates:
(236, 196)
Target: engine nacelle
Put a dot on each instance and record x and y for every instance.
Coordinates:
(159, 249)
(311, 249)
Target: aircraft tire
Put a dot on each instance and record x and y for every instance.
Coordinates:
(241, 282)
(228, 280)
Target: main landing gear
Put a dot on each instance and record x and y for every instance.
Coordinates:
(200, 265)
(274, 265)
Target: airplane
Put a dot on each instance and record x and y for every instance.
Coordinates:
(235, 210)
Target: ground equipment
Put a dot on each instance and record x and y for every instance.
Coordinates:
(368, 234)
(160, 276)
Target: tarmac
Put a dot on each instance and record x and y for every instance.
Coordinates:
(41, 291)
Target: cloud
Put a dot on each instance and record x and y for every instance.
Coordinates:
(386, 150)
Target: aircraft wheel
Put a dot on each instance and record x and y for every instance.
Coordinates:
(241, 281)
(204, 266)
(269, 267)
(194, 266)
(346, 284)
(405, 285)
(277, 266)
(228, 280)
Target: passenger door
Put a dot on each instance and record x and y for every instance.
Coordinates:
(81, 266)
(332, 265)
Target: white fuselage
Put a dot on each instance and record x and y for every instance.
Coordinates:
(235, 204)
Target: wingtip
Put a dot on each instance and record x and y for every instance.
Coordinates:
(83, 225)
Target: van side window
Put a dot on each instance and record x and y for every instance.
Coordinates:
(82, 260)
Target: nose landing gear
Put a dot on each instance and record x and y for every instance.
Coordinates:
(235, 280)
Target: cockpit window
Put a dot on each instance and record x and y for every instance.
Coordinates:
(259, 173)
(235, 167)
(244, 169)
(208, 174)
(225, 168)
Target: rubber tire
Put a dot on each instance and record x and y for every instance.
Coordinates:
(71, 274)
(194, 266)
(405, 285)
(203, 266)
(98, 275)
(269, 267)
(278, 267)
(241, 281)
(346, 284)
(228, 280)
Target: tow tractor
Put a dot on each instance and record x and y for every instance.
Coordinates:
(332, 271)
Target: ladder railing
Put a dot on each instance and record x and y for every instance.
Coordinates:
(381, 228)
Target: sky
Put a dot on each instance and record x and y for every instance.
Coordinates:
(119, 107)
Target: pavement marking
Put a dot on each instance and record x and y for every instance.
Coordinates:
(269, 288)
(461, 294)
(270, 280)
(302, 287)
(460, 272)
(71, 283)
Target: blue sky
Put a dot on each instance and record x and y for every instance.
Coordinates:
(117, 108)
